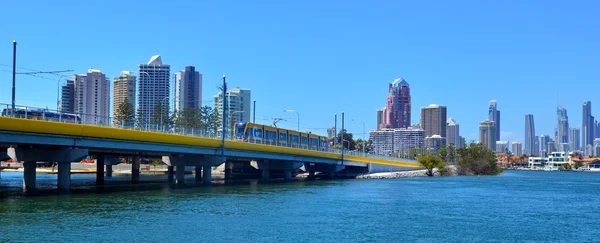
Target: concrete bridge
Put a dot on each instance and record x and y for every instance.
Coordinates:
(31, 141)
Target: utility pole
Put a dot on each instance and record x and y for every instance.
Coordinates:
(224, 90)
(254, 112)
(335, 130)
(343, 138)
(14, 74)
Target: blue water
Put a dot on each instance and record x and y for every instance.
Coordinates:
(516, 206)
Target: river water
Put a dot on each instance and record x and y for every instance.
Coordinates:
(514, 206)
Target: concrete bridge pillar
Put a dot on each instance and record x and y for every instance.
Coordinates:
(265, 167)
(109, 171)
(207, 175)
(29, 176)
(198, 173)
(135, 169)
(266, 174)
(287, 175)
(170, 173)
(61, 155)
(100, 169)
(64, 176)
(180, 174)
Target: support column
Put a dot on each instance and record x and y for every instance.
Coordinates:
(180, 174)
(170, 173)
(266, 173)
(108, 170)
(64, 177)
(207, 175)
(29, 176)
(287, 175)
(100, 169)
(135, 169)
(198, 174)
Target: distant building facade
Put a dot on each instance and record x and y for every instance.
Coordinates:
(530, 137)
(562, 135)
(494, 115)
(487, 134)
(435, 142)
(574, 135)
(433, 120)
(517, 148)
(92, 97)
(453, 133)
(188, 89)
(397, 112)
(501, 146)
(123, 91)
(67, 97)
(153, 88)
(238, 103)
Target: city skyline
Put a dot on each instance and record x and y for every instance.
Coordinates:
(275, 53)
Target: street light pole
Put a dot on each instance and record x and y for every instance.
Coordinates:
(224, 90)
(343, 138)
(14, 74)
(162, 128)
(254, 112)
(364, 141)
(297, 113)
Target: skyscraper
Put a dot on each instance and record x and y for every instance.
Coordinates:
(92, 102)
(597, 129)
(530, 138)
(587, 125)
(453, 133)
(494, 115)
(153, 88)
(537, 146)
(433, 120)
(379, 118)
(123, 91)
(188, 89)
(487, 134)
(562, 135)
(501, 146)
(238, 103)
(397, 110)
(574, 134)
(544, 141)
(517, 148)
(67, 97)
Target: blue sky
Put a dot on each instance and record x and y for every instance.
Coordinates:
(324, 57)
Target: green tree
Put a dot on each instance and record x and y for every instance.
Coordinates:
(140, 121)
(477, 159)
(125, 115)
(214, 122)
(160, 116)
(349, 142)
(189, 119)
(578, 164)
(430, 162)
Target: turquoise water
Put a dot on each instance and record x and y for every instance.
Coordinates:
(515, 206)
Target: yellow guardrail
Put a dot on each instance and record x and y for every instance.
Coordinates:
(78, 130)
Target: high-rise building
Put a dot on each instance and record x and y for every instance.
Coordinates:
(331, 133)
(153, 88)
(537, 146)
(494, 115)
(597, 129)
(562, 130)
(188, 89)
(380, 118)
(123, 91)
(574, 140)
(435, 142)
(67, 97)
(544, 140)
(463, 142)
(596, 151)
(564, 147)
(517, 148)
(530, 138)
(92, 97)
(238, 103)
(453, 133)
(397, 110)
(408, 138)
(433, 120)
(383, 141)
(587, 125)
(551, 147)
(501, 146)
(487, 134)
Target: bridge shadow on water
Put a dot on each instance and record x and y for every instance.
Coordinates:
(11, 186)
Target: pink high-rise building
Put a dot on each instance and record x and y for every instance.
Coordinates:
(396, 113)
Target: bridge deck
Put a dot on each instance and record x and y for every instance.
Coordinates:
(90, 131)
